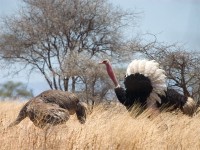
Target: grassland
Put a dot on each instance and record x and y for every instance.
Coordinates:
(107, 128)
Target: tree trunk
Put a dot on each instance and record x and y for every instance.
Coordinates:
(185, 92)
(66, 82)
(73, 84)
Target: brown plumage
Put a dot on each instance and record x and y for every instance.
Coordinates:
(52, 107)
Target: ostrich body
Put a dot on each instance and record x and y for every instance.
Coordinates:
(52, 107)
(145, 83)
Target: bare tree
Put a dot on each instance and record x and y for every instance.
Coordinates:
(181, 66)
(46, 33)
(89, 79)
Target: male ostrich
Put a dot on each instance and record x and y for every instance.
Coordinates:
(52, 107)
(145, 83)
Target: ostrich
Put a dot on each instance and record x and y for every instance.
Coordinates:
(145, 83)
(52, 107)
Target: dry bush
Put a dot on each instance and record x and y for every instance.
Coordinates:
(107, 128)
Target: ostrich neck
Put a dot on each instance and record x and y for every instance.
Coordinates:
(112, 74)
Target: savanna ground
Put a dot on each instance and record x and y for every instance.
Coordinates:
(107, 128)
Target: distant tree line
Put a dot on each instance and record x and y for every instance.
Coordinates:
(14, 91)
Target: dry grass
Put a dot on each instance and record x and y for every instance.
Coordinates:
(105, 129)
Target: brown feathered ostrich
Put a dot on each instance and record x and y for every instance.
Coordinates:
(145, 83)
(52, 107)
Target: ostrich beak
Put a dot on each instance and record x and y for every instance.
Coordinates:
(104, 62)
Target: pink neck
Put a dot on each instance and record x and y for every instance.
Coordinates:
(111, 74)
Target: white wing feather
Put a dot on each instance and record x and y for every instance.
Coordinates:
(156, 75)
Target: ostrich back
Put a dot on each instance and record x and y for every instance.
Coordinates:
(41, 113)
(64, 99)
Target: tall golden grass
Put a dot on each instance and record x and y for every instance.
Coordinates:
(110, 128)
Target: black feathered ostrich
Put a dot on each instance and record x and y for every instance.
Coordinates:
(52, 107)
(145, 83)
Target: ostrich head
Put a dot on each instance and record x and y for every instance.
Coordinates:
(106, 62)
(110, 72)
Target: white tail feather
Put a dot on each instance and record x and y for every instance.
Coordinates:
(136, 68)
(151, 67)
(157, 74)
(190, 106)
(141, 66)
(151, 70)
(132, 67)
(154, 97)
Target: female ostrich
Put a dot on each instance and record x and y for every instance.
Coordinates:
(145, 83)
(52, 107)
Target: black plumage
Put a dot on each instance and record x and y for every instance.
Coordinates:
(137, 90)
(145, 84)
(172, 99)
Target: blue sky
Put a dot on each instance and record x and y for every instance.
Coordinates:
(170, 20)
(8, 6)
